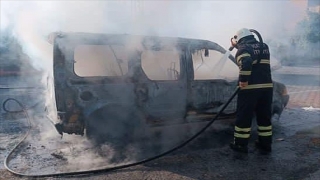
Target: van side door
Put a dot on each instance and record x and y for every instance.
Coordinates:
(214, 81)
(167, 86)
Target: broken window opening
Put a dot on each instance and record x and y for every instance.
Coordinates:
(211, 66)
(161, 65)
(100, 60)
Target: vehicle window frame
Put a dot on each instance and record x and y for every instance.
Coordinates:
(180, 68)
(94, 77)
(222, 54)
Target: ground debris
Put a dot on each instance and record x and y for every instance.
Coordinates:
(315, 141)
(58, 156)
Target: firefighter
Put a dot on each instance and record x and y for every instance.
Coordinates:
(256, 90)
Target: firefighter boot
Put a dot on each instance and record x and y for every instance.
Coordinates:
(239, 148)
(263, 148)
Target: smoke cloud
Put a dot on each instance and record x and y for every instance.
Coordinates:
(32, 21)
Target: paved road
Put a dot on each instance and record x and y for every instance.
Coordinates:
(303, 85)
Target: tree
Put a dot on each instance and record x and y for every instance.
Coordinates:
(309, 28)
(307, 39)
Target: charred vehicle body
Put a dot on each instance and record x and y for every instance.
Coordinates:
(105, 84)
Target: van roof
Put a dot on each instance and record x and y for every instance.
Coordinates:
(100, 38)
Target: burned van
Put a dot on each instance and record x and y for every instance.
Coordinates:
(105, 84)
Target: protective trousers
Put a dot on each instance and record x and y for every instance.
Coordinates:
(258, 101)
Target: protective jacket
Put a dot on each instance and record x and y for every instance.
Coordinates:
(254, 66)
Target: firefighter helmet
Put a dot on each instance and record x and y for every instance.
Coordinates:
(244, 32)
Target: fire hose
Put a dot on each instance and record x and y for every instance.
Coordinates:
(24, 110)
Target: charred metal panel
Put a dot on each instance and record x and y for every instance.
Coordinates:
(208, 96)
(104, 95)
(167, 100)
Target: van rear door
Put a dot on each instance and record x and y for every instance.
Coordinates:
(214, 81)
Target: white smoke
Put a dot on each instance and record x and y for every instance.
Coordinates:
(212, 20)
